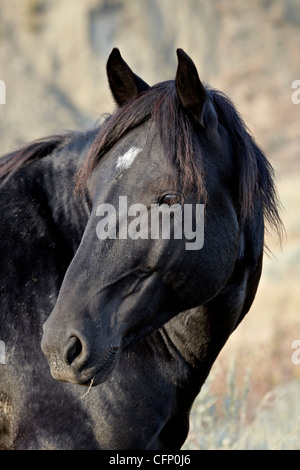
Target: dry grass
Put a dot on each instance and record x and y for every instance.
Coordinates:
(251, 399)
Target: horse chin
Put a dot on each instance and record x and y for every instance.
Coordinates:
(103, 373)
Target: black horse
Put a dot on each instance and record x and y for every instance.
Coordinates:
(138, 320)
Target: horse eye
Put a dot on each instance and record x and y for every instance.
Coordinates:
(169, 199)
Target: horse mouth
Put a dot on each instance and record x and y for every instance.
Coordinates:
(103, 372)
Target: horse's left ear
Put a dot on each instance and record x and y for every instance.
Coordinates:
(123, 83)
(191, 92)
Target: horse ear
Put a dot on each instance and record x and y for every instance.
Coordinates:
(190, 90)
(123, 83)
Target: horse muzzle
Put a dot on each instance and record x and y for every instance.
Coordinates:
(75, 362)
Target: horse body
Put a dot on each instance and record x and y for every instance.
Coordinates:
(138, 321)
(36, 248)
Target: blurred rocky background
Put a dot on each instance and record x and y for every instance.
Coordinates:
(52, 60)
(53, 55)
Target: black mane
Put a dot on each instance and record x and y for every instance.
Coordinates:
(11, 162)
(256, 175)
(161, 104)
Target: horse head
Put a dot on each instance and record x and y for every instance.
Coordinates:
(165, 156)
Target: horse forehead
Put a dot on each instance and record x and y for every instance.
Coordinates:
(126, 159)
(142, 141)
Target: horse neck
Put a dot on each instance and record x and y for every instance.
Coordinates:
(43, 218)
(68, 210)
(194, 338)
(55, 176)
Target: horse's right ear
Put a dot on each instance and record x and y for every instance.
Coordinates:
(191, 92)
(124, 84)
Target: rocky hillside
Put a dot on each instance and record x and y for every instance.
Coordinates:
(53, 55)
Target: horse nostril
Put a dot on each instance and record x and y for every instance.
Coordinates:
(73, 350)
